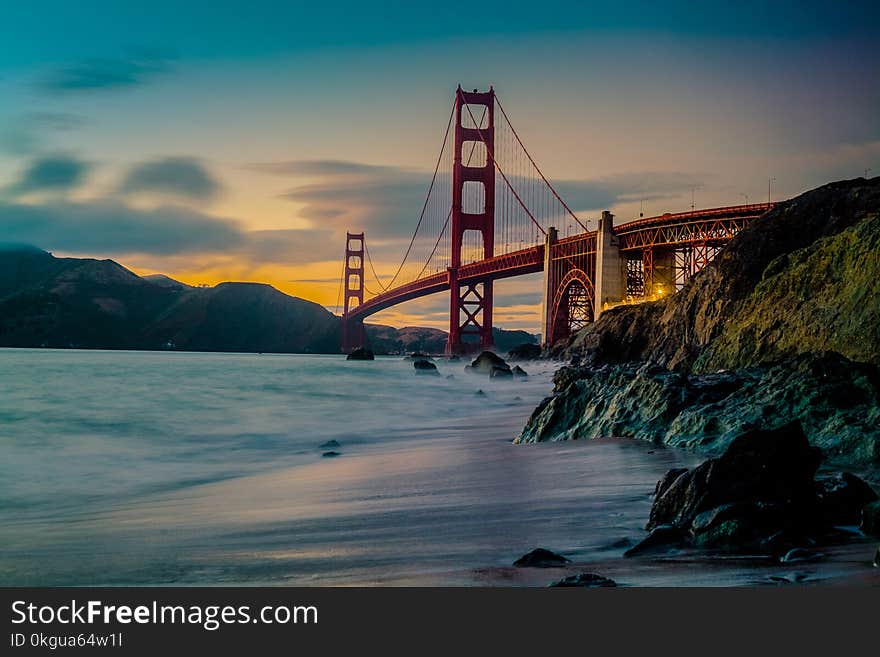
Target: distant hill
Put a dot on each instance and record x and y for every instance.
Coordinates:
(99, 304)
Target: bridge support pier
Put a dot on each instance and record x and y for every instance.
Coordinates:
(610, 267)
(549, 288)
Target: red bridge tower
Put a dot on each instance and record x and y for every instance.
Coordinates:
(470, 307)
(353, 333)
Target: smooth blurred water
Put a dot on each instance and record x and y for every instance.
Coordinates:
(185, 468)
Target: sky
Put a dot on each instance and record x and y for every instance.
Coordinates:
(224, 140)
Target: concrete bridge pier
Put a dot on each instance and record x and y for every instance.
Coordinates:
(610, 266)
(549, 287)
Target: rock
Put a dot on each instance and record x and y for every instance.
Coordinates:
(667, 480)
(586, 580)
(425, 367)
(331, 454)
(360, 353)
(330, 444)
(520, 372)
(764, 472)
(484, 363)
(525, 351)
(660, 536)
(541, 558)
(842, 497)
(480, 393)
(501, 373)
(802, 555)
(870, 524)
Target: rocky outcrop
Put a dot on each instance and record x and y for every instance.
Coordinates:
(761, 493)
(361, 353)
(805, 277)
(541, 558)
(784, 325)
(837, 402)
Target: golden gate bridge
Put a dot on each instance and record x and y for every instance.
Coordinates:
(490, 213)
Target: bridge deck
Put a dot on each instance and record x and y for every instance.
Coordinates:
(708, 225)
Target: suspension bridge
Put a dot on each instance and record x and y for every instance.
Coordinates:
(490, 213)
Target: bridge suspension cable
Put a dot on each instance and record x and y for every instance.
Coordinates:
(535, 164)
(503, 175)
(427, 199)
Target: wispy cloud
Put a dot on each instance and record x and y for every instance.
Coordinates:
(56, 173)
(29, 132)
(184, 177)
(109, 227)
(106, 74)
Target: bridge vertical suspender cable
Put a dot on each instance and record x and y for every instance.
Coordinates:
(503, 175)
(535, 164)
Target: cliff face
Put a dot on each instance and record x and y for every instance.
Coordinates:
(802, 278)
(783, 325)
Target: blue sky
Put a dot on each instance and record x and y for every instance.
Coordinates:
(182, 137)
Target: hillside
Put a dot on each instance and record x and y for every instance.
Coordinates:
(99, 304)
(784, 325)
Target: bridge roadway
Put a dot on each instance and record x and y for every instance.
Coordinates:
(713, 226)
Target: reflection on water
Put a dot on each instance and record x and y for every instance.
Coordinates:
(160, 468)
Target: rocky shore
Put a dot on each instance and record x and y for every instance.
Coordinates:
(769, 361)
(783, 326)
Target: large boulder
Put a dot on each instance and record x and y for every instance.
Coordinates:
(484, 363)
(425, 367)
(761, 485)
(361, 353)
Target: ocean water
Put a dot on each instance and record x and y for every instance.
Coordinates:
(121, 468)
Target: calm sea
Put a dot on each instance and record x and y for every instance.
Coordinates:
(184, 468)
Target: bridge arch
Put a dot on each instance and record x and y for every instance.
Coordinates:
(573, 305)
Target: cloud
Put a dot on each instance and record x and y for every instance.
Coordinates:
(292, 246)
(183, 177)
(603, 193)
(106, 74)
(56, 173)
(26, 133)
(385, 201)
(109, 227)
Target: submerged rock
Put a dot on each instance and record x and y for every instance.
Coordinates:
(585, 580)
(485, 362)
(330, 444)
(541, 558)
(331, 454)
(425, 367)
(361, 353)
